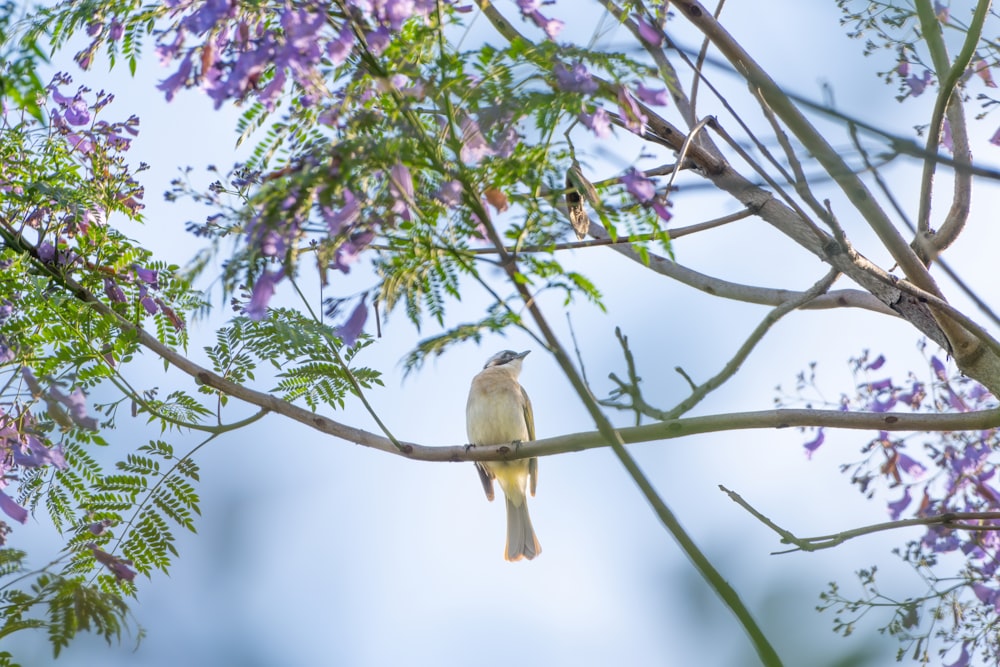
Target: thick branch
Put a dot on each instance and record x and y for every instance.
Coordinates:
(763, 86)
(767, 296)
(949, 77)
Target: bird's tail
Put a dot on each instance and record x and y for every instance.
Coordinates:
(521, 540)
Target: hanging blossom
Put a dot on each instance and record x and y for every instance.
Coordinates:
(263, 290)
(631, 114)
(649, 33)
(643, 190)
(530, 11)
(353, 327)
(575, 79)
(228, 63)
(23, 446)
(598, 122)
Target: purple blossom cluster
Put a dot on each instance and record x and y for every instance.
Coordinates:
(22, 443)
(954, 472)
(72, 116)
(914, 85)
(236, 46)
(62, 232)
(576, 78)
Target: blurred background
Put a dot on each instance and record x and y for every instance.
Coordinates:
(313, 551)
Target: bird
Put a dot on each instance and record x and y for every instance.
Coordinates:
(579, 188)
(499, 413)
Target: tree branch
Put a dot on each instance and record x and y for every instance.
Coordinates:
(948, 519)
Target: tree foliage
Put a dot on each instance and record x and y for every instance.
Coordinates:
(383, 138)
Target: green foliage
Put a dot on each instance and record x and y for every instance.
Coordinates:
(62, 607)
(80, 315)
(305, 352)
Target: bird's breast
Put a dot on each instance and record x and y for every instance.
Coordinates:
(495, 412)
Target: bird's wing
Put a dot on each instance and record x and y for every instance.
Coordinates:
(529, 416)
(529, 419)
(532, 474)
(486, 477)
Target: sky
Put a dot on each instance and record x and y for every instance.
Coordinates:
(313, 551)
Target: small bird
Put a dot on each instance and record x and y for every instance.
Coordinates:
(499, 413)
(579, 188)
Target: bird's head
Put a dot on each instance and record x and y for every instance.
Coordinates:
(507, 358)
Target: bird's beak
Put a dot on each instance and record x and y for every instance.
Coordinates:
(522, 355)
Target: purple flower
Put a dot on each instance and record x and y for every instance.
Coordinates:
(877, 364)
(167, 52)
(99, 527)
(83, 58)
(917, 85)
(640, 187)
(914, 397)
(397, 11)
(378, 40)
(552, 27)
(909, 466)
(656, 97)
(345, 217)
(263, 290)
(649, 33)
(353, 327)
(115, 30)
(77, 404)
(76, 112)
(178, 79)
(149, 276)
(963, 658)
(33, 454)
(113, 291)
(474, 145)
(12, 509)
(600, 123)
(401, 188)
(939, 369)
(879, 385)
(878, 405)
(272, 244)
(982, 69)
(508, 140)
(575, 80)
(450, 193)
(630, 111)
(119, 567)
(207, 15)
(339, 48)
(349, 250)
(82, 144)
(662, 210)
(995, 139)
(941, 11)
(147, 301)
(46, 252)
(896, 508)
(903, 68)
(815, 443)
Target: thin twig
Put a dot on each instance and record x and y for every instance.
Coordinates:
(951, 520)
